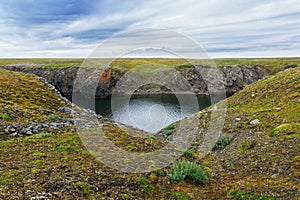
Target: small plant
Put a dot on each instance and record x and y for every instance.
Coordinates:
(98, 172)
(159, 172)
(246, 196)
(129, 147)
(294, 65)
(142, 180)
(147, 188)
(232, 192)
(187, 153)
(285, 129)
(246, 145)
(222, 142)
(171, 126)
(35, 171)
(6, 117)
(38, 154)
(187, 169)
(37, 161)
(53, 117)
(125, 196)
(43, 135)
(178, 195)
(81, 185)
(127, 160)
(64, 148)
(168, 132)
(242, 103)
(153, 137)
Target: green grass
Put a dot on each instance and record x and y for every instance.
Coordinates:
(64, 148)
(42, 135)
(222, 142)
(53, 117)
(272, 65)
(6, 117)
(38, 154)
(188, 170)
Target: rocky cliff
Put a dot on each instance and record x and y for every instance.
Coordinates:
(234, 79)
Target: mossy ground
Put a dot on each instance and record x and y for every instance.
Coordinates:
(24, 99)
(272, 65)
(58, 166)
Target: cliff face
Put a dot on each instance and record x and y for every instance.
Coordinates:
(234, 79)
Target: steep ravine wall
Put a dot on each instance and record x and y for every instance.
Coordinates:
(234, 79)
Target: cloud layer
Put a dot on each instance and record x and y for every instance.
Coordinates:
(73, 28)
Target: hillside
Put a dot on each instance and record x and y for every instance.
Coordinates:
(260, 161)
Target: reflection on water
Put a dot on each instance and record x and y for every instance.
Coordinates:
(151, 112)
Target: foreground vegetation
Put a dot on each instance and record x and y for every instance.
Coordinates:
(250, 160)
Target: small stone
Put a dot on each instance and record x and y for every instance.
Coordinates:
(6, 102)
(238, 119)
(12, 130)
(14, 134)
(254, 122)
(235, 124)
(35, 130)
(44, 125)
(69, 120)
(16, 125)
(6, 130)
(274, 175)
(28, 133)
(66, 110)
(23, 130)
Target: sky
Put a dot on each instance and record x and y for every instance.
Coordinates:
(75, 28)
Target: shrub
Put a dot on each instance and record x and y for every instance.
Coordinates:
(187, 169)
(294, 65)
(147, 188)
(169, 129)
(125, 196)
(222, 142)
(142, 180)
(5, 117)
(171, 126)
(53, 117)
(98, 172)
(246, 145)
(168, 132)
(188, 153)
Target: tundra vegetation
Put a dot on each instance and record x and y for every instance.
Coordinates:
(256, 156)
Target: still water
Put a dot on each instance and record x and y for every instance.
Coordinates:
(151, 112)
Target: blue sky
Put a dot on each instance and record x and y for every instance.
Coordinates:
(225, 28)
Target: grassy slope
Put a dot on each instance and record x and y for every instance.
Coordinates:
(263, 158)
(60, 165)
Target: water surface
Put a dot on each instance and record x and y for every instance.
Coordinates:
(150, 112)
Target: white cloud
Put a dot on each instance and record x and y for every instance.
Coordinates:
(225, 28)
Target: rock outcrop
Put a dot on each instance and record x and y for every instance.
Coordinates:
(234, 79)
